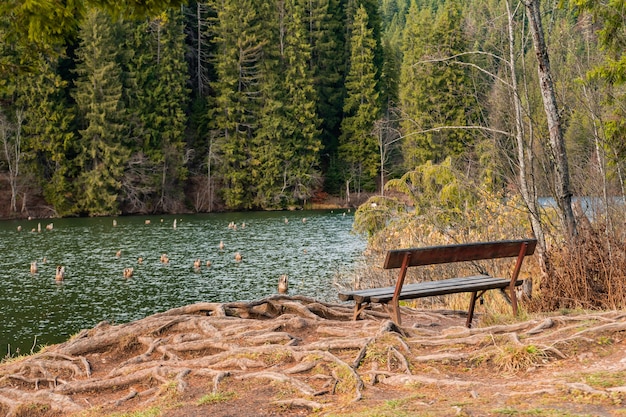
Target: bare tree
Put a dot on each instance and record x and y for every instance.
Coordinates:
(11, 136)
(527, 183)
(387, 134)
(558, 155)
(200, 34)
(524, 165)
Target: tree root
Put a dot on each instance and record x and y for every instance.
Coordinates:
(299, 402)
(402, 380)
(310, 346)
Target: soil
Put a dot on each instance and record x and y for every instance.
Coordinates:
(294, 356)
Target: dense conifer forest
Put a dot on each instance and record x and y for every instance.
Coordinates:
(252, 104)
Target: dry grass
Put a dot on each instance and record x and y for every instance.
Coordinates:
(588, 272)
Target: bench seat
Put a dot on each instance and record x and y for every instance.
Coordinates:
(475, 284)
(429, 289)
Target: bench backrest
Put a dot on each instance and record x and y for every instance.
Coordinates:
(459, 253)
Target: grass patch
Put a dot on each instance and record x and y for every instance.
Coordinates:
(18, 355)
(401, 407)
(31, 410)
(520, 358)
(606, 380)
(216, 397)
(601, 380)
(276, 357)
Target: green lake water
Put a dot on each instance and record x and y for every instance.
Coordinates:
(309, 246)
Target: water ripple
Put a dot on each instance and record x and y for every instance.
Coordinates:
(35, 306)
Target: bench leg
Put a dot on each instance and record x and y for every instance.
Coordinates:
(394, 312)
(470, 311)
(513, 300)
(358, 308)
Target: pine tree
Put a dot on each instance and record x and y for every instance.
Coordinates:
(358, 147)
(394, 19)
(200, 20)
(303, 141)
(435, 92)
(51, 21)
(101, 154)
(236, 108)
(417, 35)
(166, 122)
(49, 139)
(157, 98)
(325, 20)
(611, 72)
(288, 142)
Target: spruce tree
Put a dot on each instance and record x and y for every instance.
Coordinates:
(287, 138)
(236, 107)
(101, 154)
(435, 91)
(49, 140)
(358, 147)
(165, 118)
(157, 99)
(200, 20)
(325, 20)
(303, 141)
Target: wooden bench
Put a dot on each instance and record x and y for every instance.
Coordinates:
(477, 285)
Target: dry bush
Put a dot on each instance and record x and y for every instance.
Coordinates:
(487, 220)
(588, 273)
(435, 205)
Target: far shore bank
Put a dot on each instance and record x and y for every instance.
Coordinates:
(47, 212)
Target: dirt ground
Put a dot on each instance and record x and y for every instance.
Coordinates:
(293, 356)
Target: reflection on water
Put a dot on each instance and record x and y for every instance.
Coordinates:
(308, 246)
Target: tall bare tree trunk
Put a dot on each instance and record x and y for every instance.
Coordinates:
(558, 157)
(525, 153)
(11, 137)
(209, 187)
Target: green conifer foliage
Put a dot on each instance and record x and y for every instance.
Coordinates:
(101, 153)
(49, 139)
(358, 146)
(325, 20)
(417, 35)
(303, 143)
(611, 21)
(288, 138)
(236, 106)
(435, 91)
(45, 22)
(159, 103)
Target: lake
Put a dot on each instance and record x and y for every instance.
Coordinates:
(311, 247)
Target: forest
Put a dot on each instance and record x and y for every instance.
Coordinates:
(441, 121)
(199, 106)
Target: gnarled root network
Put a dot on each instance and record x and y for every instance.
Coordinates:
(312, 349)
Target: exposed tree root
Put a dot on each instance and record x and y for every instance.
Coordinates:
(299, 402)
(311, 349)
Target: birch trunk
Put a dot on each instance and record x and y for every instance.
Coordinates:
(558, 157)
(524, 152)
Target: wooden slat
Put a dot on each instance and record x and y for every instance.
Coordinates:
(456, 285)
(364, 295)
(349, 295)
(443, 290)
(459, 253)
